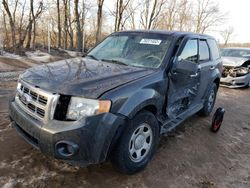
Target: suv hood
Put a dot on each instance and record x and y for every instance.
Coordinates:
(82, 77)
(233, 61)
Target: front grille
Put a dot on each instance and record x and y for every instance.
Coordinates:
(36, 102)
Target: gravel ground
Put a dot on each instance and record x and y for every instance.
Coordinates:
(191, 156)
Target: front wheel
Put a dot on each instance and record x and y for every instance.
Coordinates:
(137, 144)
(209, 101)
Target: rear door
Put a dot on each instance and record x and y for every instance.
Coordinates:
(206, 66)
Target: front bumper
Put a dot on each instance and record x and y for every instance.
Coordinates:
(93, 134)
(235, 82)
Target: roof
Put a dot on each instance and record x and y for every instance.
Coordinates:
(166, 32)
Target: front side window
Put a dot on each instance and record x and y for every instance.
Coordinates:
(133, 49)
(203, 51)
(190, 51)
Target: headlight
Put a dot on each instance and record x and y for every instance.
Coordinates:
(18, 86)
(81, 107)
(242, 71)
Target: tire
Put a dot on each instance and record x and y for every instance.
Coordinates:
(217, 120)
(137, 144)
(209, 101)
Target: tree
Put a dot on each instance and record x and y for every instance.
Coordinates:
(99, 20)
(79, 39)
(227, 34)
(65, 3)
(70, 30)
(12, 22)
(58, 24)
(120, 8)
(32, 19)
(208, 15)
(150, 13)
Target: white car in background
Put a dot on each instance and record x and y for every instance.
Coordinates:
(236, 64)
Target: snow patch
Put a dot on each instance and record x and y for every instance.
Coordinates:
(71, 53)
(9, 55)
(39, 56)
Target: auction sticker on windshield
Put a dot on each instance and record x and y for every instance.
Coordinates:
(150, 41)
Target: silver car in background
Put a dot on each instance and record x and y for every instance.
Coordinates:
(236, 67)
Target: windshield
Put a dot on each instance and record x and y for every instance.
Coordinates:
(235, 53)
(133, 49)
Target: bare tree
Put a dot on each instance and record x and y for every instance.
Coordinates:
(171, 15)
(12, 17)
(184, 16)
(208, 15)
(58, 24)
(6, 41)
(65, 3)
(73, 22)
(227, 34)
(70, 30)
(21, 25)
(78, 26)
(120, 8)
(99, 20)
(32, 19)
(150, 12)
(131, 14)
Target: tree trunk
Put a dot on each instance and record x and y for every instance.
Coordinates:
(70, 30)
(31, 19)
(152, 15)
(6, 40)
(11, 22)
(34, 25)
(78, 26)
(58, 25)
(99, 21)
(116, 14)
(29, 35)
(65, 2)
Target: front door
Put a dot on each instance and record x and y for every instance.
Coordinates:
(184, 79)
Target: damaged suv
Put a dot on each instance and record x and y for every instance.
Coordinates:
(116, 101)
(236, 63)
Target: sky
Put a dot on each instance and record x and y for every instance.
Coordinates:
(238, 14)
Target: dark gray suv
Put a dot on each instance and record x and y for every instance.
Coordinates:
(116, 101)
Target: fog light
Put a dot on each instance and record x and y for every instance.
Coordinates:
(66, 148)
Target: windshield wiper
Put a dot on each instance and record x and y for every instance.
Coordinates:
(114, 61)
(92, 57)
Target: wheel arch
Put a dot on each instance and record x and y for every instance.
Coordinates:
(149, 107)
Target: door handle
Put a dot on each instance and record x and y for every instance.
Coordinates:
(212, 67)
(194, 75)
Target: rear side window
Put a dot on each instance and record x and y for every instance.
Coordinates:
(203, 51)
(215, 53)
(190, 51)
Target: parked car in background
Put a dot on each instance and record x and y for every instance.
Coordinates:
(117, 100)
(236, 63)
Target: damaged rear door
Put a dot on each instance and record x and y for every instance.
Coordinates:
(184, 80)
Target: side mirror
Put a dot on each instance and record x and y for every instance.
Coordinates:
(185, 67)
(86, 51)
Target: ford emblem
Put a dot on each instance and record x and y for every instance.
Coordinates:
(26, 98)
